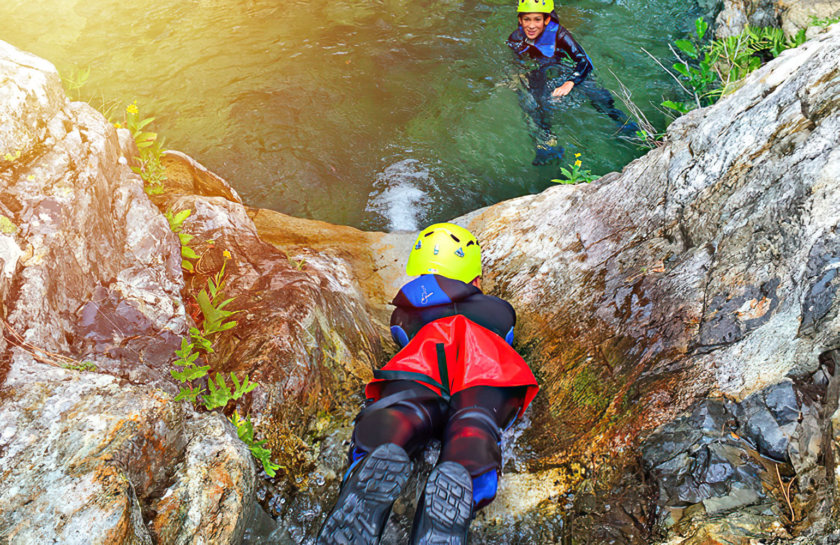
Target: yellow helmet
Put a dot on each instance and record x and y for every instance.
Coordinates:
(535, 6)
(445, 249)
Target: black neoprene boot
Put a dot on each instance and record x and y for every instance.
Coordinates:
(366, 496)
(446, 508)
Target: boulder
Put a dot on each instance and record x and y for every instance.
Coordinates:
(83, 457)
(801, 14)
(91, 313)
(737, 14)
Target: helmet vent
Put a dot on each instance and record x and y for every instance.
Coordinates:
(471, 242)
(456, 239)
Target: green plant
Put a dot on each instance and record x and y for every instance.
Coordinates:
(697, 72)
(190, 371)
(648, 139)
(712, 70)
(828, 21)
(574, 174)
(7, 226)
(75, 80)
(245, 431)
(220, 393)
(12, 157)
(151, 149)
(215, 317)
(176, 223)
(81, 366)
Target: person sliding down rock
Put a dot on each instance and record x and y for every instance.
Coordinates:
(540, 37)
(456, 379)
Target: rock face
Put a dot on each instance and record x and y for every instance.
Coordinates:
(791, 15)
(91, 280)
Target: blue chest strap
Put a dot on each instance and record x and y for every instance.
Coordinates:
(547, 41)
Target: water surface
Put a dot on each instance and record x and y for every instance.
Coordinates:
(384, 114)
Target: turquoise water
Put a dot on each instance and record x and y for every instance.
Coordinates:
(386, 114)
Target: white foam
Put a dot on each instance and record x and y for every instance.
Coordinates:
(397, 196)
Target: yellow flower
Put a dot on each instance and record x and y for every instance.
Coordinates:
(117, 125)
(578, 163)
(132, 108)
(31, 177)
(226, 254)
(577, 154)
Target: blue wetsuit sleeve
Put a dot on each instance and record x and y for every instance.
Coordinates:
(399, 335)
(568, 45)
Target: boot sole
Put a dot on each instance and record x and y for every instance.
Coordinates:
(448, 505)
(363, 506)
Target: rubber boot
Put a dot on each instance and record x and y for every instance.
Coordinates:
(547, 150)
(366, 497)
(446, 508)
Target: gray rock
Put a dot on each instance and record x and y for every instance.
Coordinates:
(211, 499)
(737, 14)
(91, 278)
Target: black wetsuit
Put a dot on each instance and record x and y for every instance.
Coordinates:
(565, 47)
(469, 424)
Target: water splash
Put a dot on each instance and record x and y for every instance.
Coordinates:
(398, 199)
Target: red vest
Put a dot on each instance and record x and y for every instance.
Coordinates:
(474, 356)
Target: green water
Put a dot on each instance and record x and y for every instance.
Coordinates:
(384, 114)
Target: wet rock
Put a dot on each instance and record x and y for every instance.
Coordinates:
(769, 418)
(708, 466)
(736, 14)
(90, 279)
(82, 454)
(801, 14)
(85, 232)
(212, 497)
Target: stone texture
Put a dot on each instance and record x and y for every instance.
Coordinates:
(791, 15)
(93, 265)
(799, 14)
(688, 272)
(736, 14)
(215, 479)
(91, 278)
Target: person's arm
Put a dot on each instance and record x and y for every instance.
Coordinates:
(583, 66)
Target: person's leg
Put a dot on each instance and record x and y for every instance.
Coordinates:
(473, 434)
(537, 103)
(467, 476)
(602, 100)
(409, 423)
(384, 438)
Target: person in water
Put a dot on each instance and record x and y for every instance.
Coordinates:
(542, 38)
(456, 379)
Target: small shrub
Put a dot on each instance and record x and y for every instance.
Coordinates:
(574, 174)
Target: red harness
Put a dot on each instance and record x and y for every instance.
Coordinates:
(453, 354)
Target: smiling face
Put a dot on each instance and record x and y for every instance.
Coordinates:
(533, 23)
